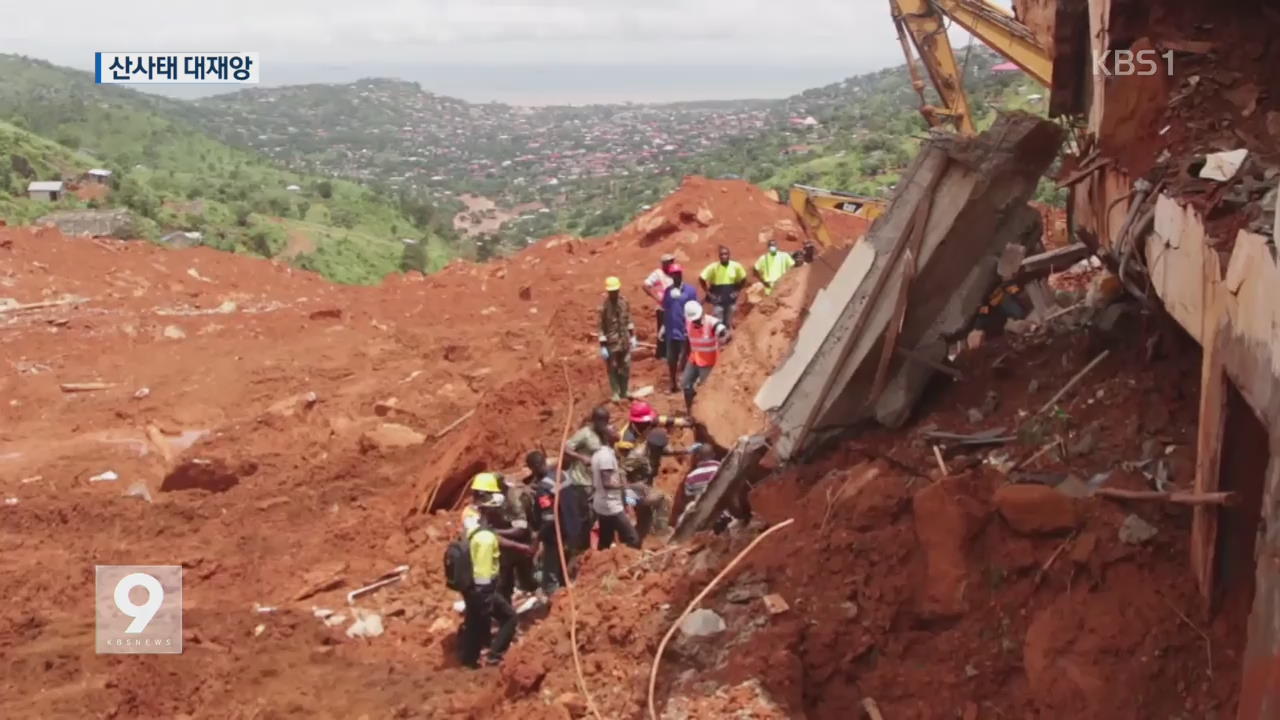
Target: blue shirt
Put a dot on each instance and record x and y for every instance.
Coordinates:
(673, 300)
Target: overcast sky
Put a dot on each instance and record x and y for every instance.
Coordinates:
(636, 49)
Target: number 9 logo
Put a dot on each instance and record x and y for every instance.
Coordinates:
(141, 614)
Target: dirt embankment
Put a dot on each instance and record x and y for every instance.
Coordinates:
(284, 429)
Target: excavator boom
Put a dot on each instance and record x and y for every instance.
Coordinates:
(921, 24)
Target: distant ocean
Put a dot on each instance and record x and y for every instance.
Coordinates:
(561, 84)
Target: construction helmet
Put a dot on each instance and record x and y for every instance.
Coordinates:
(486, 482)
(642, 412)
(612, 283)
(675, 268)
(693, 310)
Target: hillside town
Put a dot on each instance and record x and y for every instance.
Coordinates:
(395, 132)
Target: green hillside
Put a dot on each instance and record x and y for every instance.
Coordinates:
(175, 177)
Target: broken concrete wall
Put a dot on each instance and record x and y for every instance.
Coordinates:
(969, 196)
(1219, 282)
(96, 223)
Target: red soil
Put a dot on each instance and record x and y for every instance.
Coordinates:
(287, 489)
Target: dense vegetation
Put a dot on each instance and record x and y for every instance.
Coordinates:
(175, 177)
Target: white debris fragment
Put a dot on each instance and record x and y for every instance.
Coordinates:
(142, 392)
(367, 625)
(261, 628)
(139, 490)
(1222, 166)
(701, 623)
(11, 501)
(108, 476)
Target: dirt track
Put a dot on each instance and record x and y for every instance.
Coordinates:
(909, 590)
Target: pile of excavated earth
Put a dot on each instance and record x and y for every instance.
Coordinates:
(286, 441)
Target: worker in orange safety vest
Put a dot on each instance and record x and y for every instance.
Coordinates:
(706, 335)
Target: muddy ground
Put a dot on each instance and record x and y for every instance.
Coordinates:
(285, 430)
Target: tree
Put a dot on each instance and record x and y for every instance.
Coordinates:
(267, 239)
(414, 257)
(324, 189)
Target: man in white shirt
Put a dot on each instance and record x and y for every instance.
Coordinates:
(609, 501)
(654, 286)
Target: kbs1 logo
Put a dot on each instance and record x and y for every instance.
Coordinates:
(147, 68)
(138, 609)
(1125, 63)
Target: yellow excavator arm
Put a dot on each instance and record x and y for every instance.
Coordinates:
(921, 25)
(806, 201)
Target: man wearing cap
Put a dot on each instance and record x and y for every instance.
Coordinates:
(655, 286)
(677, 337)
(617, 337)
(771, 266)
(706, 335)
(722, 280)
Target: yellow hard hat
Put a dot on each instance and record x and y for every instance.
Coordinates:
(486, 482)
(612, 283)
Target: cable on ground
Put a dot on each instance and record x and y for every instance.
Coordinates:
(657, 658)
(564, 563)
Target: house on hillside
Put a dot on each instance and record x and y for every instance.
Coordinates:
(293, 188)
(50, 190)
(98, 175)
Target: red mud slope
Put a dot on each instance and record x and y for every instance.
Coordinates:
(282, 426)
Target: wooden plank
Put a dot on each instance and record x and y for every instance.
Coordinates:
(744, 456)
(1054, 260)
(1212, 420)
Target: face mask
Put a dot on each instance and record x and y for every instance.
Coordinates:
(773, 251)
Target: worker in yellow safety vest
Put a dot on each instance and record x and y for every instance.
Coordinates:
(722, 281)
(771, 266)
(706, 335)
(483, 603)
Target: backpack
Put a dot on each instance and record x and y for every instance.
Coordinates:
(458, 574)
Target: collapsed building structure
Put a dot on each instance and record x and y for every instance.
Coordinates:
(1172, 116)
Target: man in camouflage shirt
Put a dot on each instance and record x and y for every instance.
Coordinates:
(617, 337)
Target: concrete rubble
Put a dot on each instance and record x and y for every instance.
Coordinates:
(915, 282)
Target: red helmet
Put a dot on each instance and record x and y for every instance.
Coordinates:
(642, 412)
(674, 268)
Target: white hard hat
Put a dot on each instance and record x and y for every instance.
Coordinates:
(693, 310)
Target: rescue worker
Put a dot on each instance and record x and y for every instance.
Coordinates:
(519, 516)
(696, 482)
(722, 281)
(484, 603)
(706, 334)
(575, 503)
(771, 266)
(641, 466)
(677, 295)
(546, 480)
(617, 337)
(655, 286)
(640, 419)
(485, 485)
(609, 500)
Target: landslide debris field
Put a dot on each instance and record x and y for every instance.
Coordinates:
(285, 430)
